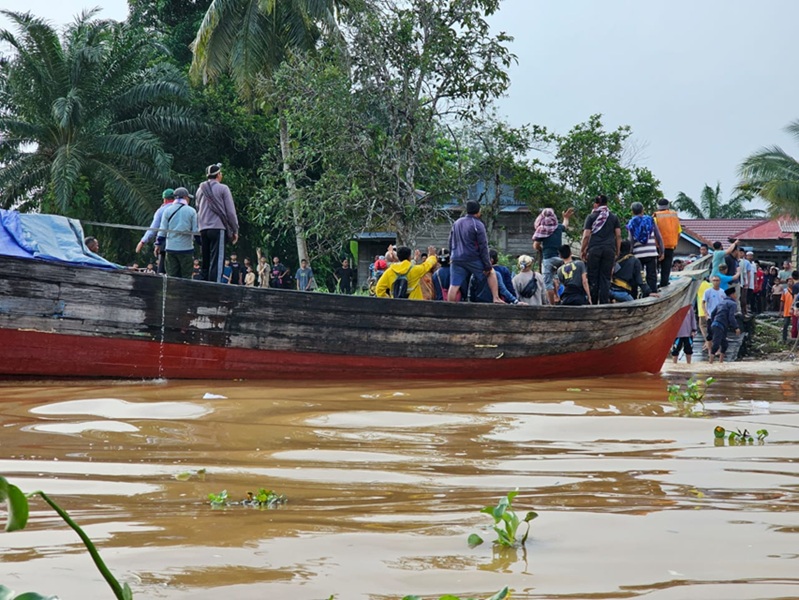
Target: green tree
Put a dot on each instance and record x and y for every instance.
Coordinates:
(773, 174)
(175, 21)
(82, 119)
(495, 153)
(327, 167)
(416, 66)
(712, 206)
(250, 39)
(590, 160)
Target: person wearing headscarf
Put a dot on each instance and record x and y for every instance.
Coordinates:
(600, 247)
(548, 237)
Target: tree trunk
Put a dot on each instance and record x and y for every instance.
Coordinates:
(291, 187)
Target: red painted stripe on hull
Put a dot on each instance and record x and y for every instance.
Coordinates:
(33, 353)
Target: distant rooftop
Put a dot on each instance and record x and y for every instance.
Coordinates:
(720, 230)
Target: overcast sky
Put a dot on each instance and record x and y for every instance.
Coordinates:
(702, 83)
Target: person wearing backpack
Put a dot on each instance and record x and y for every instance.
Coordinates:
(530, 286)
(401, 279)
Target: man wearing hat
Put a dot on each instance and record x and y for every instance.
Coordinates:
(669, 225)
(168, 196)
(179, 220)
(217, 219)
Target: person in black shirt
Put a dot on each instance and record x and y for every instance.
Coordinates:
(236, 272)
(344, 277)
(600, 247)
(627, 278)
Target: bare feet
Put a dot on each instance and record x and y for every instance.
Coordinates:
(710, 358)
(498, 300)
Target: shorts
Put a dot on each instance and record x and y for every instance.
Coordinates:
(549, 267)
(686, 344)
(460, 273)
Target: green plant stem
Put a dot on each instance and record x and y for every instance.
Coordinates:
(110, 579)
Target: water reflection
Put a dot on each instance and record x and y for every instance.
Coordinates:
(385, 482)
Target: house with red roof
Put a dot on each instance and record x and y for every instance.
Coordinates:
(765, 237)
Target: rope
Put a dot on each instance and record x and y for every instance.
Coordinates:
(137, 227)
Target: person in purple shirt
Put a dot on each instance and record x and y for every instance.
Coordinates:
(468, 247)
(685, 337)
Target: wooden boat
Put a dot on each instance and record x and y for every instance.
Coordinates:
(60, 320)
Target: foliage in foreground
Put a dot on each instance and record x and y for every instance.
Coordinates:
(18, 511)
(502, 594)
(685, 400)
(506, 523)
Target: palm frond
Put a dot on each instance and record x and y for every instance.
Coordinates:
(685, 204)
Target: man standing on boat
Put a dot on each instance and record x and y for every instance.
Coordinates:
(669, 224)
(217, 220)
(600, 246)
(168, 197)
(647, 244)
(180, 222)
(468, 247)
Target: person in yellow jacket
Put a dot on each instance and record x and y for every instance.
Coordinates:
(669, 225)
(406, 268)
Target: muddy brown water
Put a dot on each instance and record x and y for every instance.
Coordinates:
(385, 482)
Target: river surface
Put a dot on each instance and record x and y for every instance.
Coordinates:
(385, 482)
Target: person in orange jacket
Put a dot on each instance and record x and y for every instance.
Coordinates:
(669, 225)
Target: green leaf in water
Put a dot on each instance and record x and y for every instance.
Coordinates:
(17, 505)
(474, 540)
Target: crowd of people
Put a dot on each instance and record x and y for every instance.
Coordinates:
(610, 266)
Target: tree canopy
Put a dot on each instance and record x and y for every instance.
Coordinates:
(712, 206)
(773, 174)
(85, 118)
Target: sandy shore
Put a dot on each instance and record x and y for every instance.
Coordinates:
(744, 367)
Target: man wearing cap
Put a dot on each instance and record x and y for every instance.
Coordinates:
(217, 219)
(669, 225)
(179, 220)
(468, 247)
(168, 196)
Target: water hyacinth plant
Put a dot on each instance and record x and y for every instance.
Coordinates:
(685, 400)
(738, 437)
(506, 523)
(263, 498)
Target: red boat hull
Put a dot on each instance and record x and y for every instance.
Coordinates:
(56, 355)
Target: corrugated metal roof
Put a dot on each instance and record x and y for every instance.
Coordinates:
(789, 226)
(719, 230)
(376, 235)
(770, 230)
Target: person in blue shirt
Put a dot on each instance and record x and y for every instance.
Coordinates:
(441, 276)
(720, 255)
(468, 246)
(725, 279)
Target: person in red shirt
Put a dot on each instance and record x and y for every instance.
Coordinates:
(757, 299)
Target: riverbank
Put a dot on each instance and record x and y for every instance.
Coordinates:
(773, 366)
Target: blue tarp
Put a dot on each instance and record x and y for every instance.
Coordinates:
(46, 237)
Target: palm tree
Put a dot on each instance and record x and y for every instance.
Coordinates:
(774, 175)
(82, 118)
(711, 205)
(250, 39)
